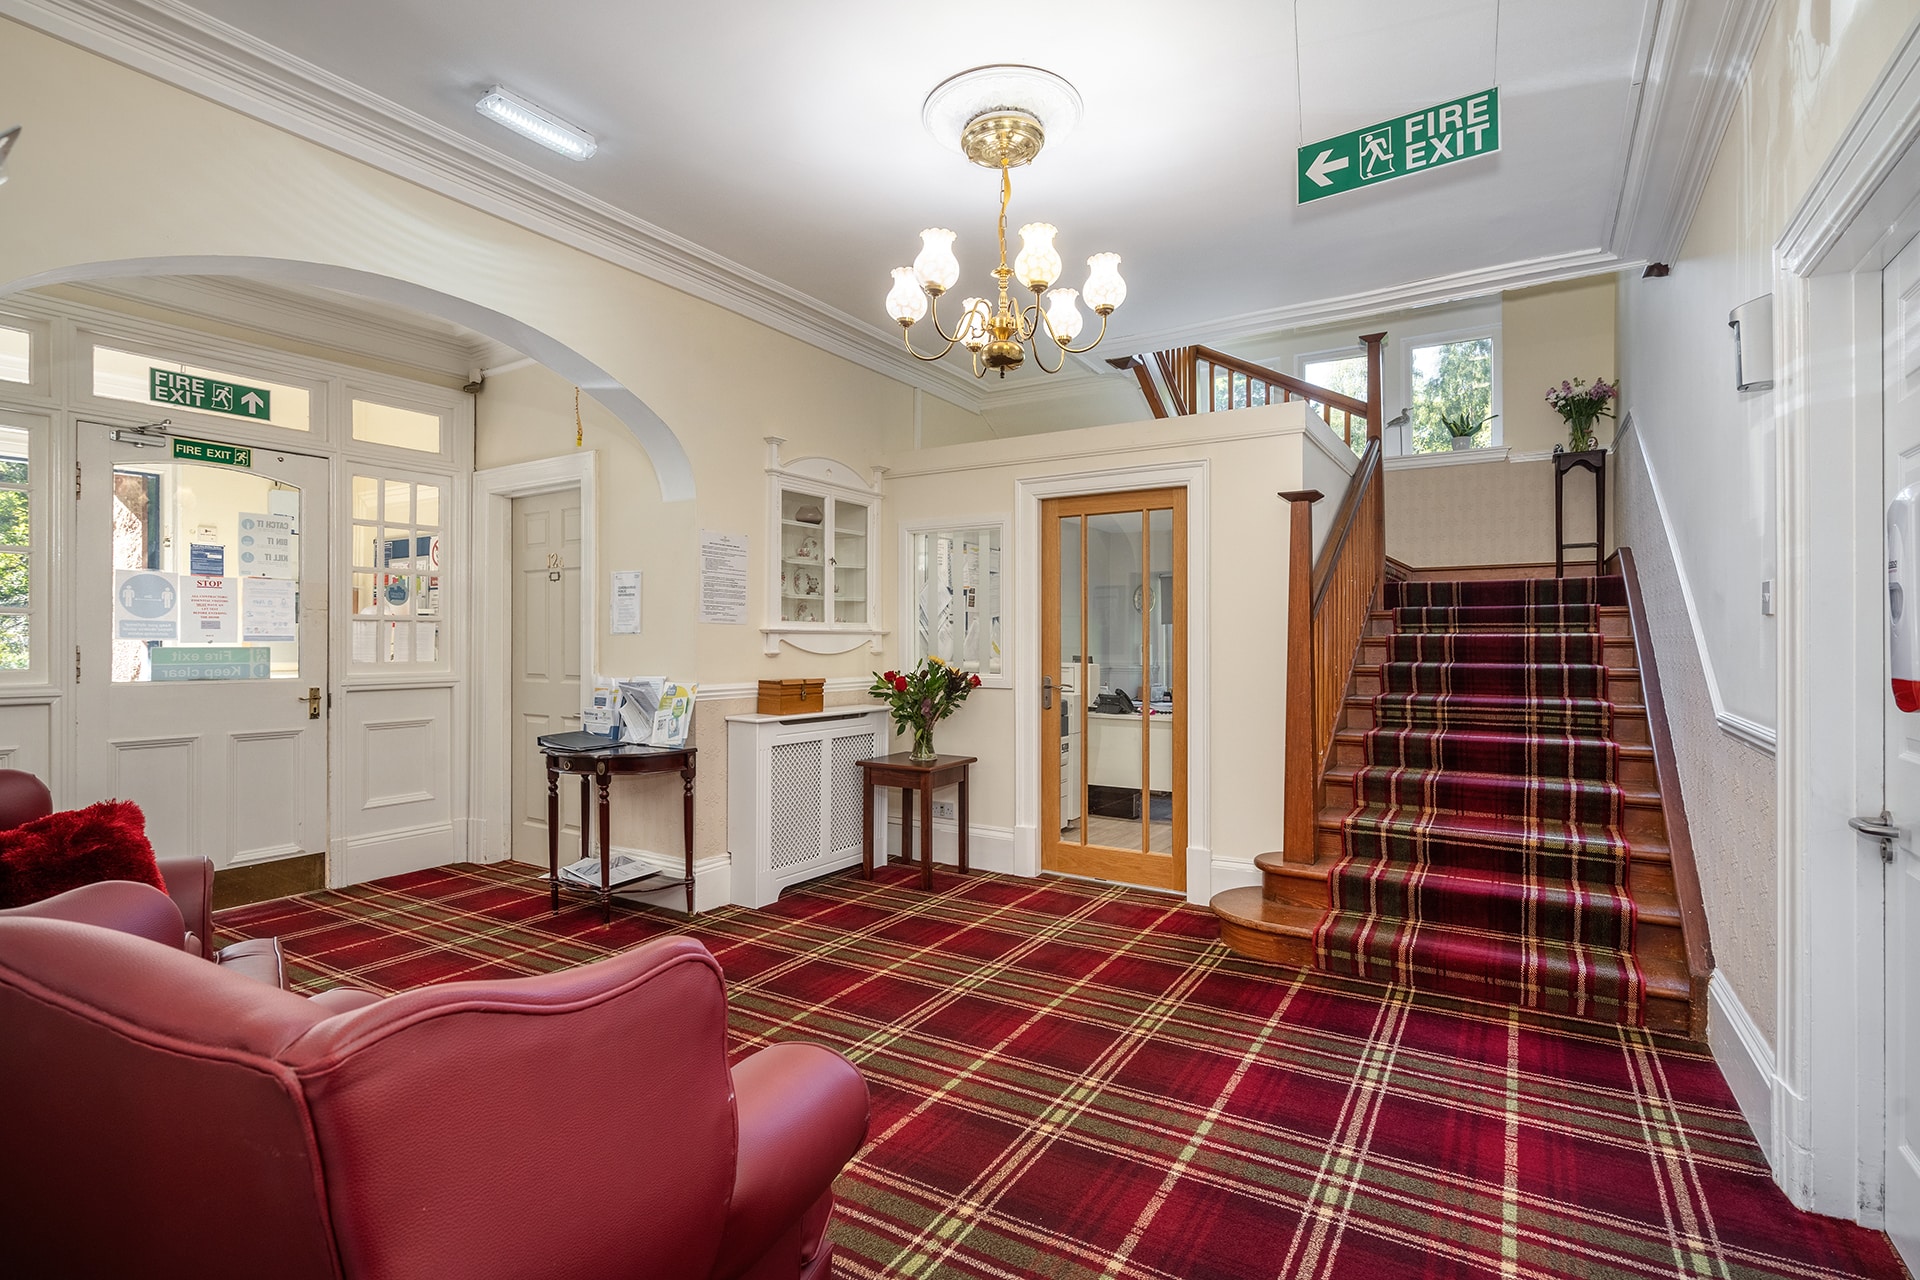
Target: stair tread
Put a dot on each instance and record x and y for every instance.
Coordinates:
(1628, 750)
(1244, 906)
(1638, 797)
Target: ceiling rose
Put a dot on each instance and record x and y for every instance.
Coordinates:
(1003, 90)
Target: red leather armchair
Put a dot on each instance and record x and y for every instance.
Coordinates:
(167, 1117)
(23, 798)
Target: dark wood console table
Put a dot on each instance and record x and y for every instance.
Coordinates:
(600, 764)
(903, 771)
(1594, 460)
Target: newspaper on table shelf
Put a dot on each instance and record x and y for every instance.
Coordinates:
(623, 870)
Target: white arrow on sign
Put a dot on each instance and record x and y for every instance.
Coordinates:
(253, 402)
(1321, 167)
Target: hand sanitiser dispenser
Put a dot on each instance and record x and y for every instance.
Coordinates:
(1903, 624)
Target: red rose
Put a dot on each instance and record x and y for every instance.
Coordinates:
(973, 681)
(900, 684)
(888, 677)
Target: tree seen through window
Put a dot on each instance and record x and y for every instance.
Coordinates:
(1451, 378)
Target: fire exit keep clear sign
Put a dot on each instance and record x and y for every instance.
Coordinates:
(1420, 140)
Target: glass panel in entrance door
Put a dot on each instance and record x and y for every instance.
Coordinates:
(1116, 717)
(1155, 603)
(1072, 698)
(206, 572)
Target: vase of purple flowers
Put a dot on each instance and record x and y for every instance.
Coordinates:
(1581, 406)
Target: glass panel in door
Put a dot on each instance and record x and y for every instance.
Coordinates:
(848, 562)
(803, 556)
(1115, 556)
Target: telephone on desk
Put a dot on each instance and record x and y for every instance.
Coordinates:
(1116, 703)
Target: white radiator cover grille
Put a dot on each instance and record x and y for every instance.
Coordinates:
(848, 791)
(795, 801)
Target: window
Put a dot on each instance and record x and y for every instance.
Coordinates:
(956, 597)
(396, 571)
(16, 351)
(398, 428)
(1451, 382)
(126, 375)
(1346, 374)
(16, 552)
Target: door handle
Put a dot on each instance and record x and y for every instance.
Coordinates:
(312, 698)
(1881, 829)
(1046, 693)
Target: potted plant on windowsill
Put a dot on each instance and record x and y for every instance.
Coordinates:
(1581, 406)
(1462, 427)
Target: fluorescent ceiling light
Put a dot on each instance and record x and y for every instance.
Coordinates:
(524, 118)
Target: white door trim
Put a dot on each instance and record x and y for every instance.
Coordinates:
(1024, 661)
(493, 493)
(1829, 1095)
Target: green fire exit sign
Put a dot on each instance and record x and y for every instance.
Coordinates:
(1412, 143)
(225, 455)
(208, 395)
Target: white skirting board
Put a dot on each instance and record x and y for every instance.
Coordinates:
(1741, 1052)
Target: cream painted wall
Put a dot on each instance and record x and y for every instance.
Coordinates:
(702, 369)
(1249, 456)
(1550, 334)
(1711, 449)
(1490, 511)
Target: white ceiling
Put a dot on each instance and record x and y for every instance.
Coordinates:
(786, 138)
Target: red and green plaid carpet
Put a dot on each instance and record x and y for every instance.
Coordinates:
(1484, 855)
(1078, 1080)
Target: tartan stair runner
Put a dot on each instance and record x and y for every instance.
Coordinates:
(1485, 855)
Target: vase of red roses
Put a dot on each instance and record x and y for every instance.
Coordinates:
(921, 698)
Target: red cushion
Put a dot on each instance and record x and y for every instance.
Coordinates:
(62, 851)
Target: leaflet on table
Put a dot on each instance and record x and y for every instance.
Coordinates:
(601, 715)
(656, 711)
(624, 868)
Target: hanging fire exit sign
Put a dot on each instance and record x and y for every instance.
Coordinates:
(1420, 140)
(208, 395)
(224, 455)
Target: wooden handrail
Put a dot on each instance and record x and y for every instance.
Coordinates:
(1229, 382)
(1666, 771)
(1329, 598)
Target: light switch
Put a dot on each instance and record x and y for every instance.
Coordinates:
(1766, 598)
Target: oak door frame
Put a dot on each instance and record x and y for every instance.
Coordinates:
(1195, 476)
(1083, 507)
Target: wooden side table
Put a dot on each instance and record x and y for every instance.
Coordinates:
(599, 765)
(903, 771)
(1594, 460)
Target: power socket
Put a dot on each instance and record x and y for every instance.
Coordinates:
(943, 809)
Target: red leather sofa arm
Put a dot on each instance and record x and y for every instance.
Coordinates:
(190, 885)
(120, 905)
(802, 1112)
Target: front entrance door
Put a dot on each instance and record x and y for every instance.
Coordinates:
(1113, 638)
(1901, 467)
(546, 660)
(202, 664)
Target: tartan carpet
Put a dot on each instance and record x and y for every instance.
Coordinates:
(1483, 856)
(1077, 1080)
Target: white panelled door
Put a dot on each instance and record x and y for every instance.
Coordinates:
(1901, 299)
(202, 613)
(546, 661)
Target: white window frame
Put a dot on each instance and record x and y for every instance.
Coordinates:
(41, 523)
(1396, 396)
(239, 362)
(451, 605)
(396, 395)
(38, 388)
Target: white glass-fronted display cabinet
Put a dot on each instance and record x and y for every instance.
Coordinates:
(824, 572)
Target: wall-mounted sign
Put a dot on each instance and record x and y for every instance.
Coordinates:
(220, 455)
(208, 395)
(1412, 143)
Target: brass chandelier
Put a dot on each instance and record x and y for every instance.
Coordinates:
(996, 135)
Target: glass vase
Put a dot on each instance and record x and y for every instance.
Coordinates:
(922, 743)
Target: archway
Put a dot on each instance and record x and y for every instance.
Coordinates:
(670, 462)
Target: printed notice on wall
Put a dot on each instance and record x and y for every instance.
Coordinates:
(269, 611)
(723, 577)
(211, 609)
(625, 609)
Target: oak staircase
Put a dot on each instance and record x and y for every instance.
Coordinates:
(1337, 647)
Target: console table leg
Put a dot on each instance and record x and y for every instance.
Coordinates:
(906, 824)
(606, 852)
(926, 834)
(686, 809)
(866, 825)
(553, 835)
(963, 824)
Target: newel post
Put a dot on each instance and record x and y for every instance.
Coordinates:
(1376, 386)
(1376, 430)
(1301, 764)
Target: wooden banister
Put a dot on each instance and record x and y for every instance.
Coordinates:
(1202, 380)
(1328, 601)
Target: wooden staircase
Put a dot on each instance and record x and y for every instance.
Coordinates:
(1277, 920)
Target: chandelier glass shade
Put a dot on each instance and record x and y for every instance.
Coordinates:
(999, 333)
